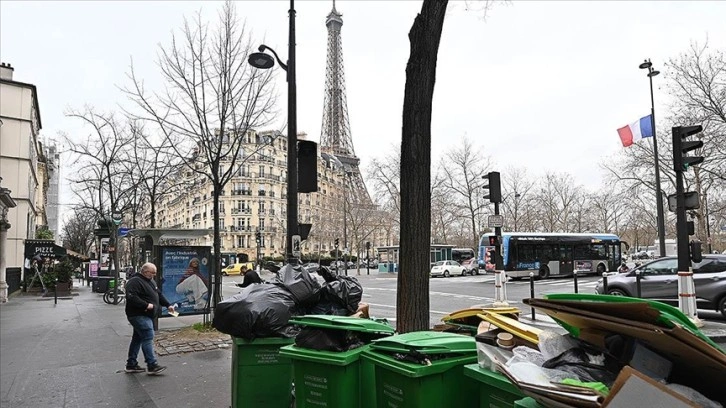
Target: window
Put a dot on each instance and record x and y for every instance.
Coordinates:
(710, 265)
(662, 267)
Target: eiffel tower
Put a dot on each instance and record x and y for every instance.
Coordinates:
(335, 136)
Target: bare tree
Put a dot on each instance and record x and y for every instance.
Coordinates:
(77, 232)
(517, 189)
(101, 183)
(463, 167)
(212, 99)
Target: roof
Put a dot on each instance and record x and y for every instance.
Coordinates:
(35, 96)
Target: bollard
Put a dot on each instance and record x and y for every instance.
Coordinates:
(55, 292)
(637, 281)
(531, 290)
(604, 283)
(574, 275)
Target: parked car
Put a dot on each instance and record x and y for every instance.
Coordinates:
(471, 266)
(659, 281)
(447, 268)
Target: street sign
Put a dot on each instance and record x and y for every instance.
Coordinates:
(117, 217)
(296, 245)
(691, 199)
(123, 231)
(495, 221)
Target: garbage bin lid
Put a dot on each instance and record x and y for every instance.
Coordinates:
(426, 342)
(343, 323)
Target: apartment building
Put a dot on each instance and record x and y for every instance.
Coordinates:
(255, 199)
(21, 162)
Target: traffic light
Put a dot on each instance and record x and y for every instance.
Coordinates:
(492, 240)
(336, 242)
(695, 250)
(258, 237)
(494, 185)
(681, 147)
(368, 245)
(307, 166)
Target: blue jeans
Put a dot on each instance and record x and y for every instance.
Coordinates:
(143, 339)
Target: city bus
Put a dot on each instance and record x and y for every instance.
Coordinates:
(553, 254)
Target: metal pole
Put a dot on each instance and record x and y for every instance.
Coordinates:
(292, 226)
(55, 292)
(658, 194)
(500, 297)
(574, 276)
(708, 222)
(605, 283)
(531, 290)
(637, 282)
(686, 289)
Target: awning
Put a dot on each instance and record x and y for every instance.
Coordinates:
(46, 248)
(80, 257)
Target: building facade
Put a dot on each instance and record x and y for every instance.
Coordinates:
(20, 162)
(255, 200)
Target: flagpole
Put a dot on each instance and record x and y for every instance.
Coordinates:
(658, 195)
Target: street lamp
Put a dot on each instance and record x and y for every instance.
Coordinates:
(264, 61)
(658, 197)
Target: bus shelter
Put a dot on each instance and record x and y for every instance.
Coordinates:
(389, 256)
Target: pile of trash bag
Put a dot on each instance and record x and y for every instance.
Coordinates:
(263, 310)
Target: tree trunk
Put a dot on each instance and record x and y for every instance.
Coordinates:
(412, 312)
(217, 259)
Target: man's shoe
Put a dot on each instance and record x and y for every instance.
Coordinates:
(134, 369)
(156, 370)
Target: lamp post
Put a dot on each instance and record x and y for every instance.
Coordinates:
(658, 197)
(708, 222)
(516, 210)
(265, 61)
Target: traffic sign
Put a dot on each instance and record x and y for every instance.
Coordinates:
(296, 245)
(495, 221)
(123, 231)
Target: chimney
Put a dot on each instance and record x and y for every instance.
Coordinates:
(6, 71)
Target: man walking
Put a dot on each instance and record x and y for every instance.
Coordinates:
(143, 303)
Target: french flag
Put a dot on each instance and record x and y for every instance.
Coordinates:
(636, 131)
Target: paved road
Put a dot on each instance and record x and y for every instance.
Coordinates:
(455, 293)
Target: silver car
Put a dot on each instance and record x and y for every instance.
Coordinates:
(659, 281)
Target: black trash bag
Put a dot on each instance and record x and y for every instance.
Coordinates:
(326, 307)
(257, 311)
(345, 292)
(577, 362)
(327, 339)
(305, 289)
(327, 274)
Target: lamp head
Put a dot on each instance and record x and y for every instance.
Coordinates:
(645, 65)
(653, 73)
(261, 60)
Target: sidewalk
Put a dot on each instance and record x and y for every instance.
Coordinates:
(72, 355)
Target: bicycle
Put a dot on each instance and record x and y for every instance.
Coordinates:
(108, 296)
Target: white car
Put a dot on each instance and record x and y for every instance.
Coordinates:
(447, 268)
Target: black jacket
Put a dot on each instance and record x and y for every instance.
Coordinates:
(141, 291)
(251, 277)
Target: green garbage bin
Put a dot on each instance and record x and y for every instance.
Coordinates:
(261, 376)
(495, 390)
(334, 378)
(433, 378)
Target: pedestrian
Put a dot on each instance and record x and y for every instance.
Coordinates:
(251, 276)
(143, 304)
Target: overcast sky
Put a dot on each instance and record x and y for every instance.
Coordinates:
(537, 84)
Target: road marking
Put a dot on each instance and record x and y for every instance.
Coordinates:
(456, 295)
(393, 307)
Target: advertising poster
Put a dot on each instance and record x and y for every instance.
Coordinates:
(105, 258)
(185, 278)
(93, 268)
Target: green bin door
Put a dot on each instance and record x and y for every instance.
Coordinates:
(426, 342)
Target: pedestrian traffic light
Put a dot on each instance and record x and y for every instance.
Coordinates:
(368, 245)
(336, 242)
(492, 240)
(494, 186)
(695, 250)
(681, 147)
